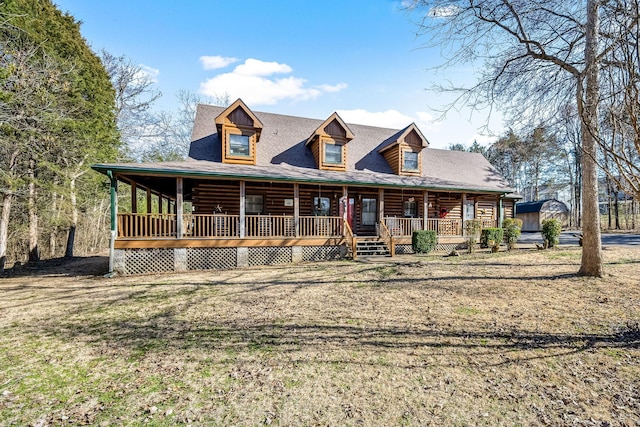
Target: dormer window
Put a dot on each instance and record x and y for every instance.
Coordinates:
(239, 145)
(328, 144)
(239, 131)
(332, 153)
(403, 151)
(410, 161)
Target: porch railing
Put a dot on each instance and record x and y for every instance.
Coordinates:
(146, 225)
(321, 226)
(402, 226)
(213, 225)
(442, 226)
(153, 225)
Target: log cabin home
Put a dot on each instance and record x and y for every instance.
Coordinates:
(261, 188)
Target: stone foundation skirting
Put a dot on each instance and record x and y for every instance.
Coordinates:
(152, 260)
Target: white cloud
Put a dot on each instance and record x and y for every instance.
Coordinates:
(333, 88)
(217, 61)
(253, 82)
(390, 119)
(255, 67)
(148, 73)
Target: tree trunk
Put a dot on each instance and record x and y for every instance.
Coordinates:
(34, 253)
(74, 218)
(616, 207)
(591, 243)
(7, 199)
(54, 228)
(609, 191)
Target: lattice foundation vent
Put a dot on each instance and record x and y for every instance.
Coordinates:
(269, 255)
(211, 258)
(449, 247)
(321, 253)
(404, 249)
(140, 261)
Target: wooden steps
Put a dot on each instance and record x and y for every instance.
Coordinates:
(368, 246)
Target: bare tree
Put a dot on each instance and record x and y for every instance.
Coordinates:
(620, 136)
(538, 55)
(173, 129)
(136, 95)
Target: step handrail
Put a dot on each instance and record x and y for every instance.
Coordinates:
(350, 239)
(387, 238)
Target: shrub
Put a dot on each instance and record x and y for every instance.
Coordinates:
(512, 228)
(491, 237)
(472, 230)
(551, 229)
(424, 241)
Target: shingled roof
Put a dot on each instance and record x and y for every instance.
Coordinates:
(283, 156)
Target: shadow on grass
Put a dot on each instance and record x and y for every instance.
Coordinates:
(164, 333)
(377, 275)
(66, 267)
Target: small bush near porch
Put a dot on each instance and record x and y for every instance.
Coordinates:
(512, 338)
(424, 241)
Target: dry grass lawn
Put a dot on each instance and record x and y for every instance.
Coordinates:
(489, 339)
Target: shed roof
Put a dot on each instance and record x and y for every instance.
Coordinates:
(546, 205)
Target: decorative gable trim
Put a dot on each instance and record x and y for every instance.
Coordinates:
(239, 130)
(334, 126)
(328, 144)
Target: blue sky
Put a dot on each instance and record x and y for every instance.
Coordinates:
(305, 58)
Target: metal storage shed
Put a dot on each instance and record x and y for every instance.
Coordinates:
(533, 213)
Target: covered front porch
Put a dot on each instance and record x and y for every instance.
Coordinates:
(187, 212)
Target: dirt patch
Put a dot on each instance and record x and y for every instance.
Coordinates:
(490, 339)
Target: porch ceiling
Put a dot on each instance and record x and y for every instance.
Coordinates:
(165, 185)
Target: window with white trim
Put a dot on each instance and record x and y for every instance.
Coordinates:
(333, 154)
(239, 145)
(410, 161)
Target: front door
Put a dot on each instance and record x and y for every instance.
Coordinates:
(347, 204)
(369, 214)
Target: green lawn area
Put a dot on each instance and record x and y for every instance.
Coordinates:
(484, 339)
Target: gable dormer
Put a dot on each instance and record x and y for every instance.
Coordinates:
(239, 132)
(328, 143)
(404, 154)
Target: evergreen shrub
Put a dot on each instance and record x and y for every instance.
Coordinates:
(551, 229)
(489, 235)
(512, 229)
(424, 241)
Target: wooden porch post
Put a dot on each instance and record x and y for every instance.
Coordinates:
(148, 201)
(242, 217)
(296, 208)
(159, 203)
(464, 213)
(114, 218)
(179, 201)
(345, 213)
(464, 206)
(500, 212)
(134, 197)
(425, 209)
(381, 204)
